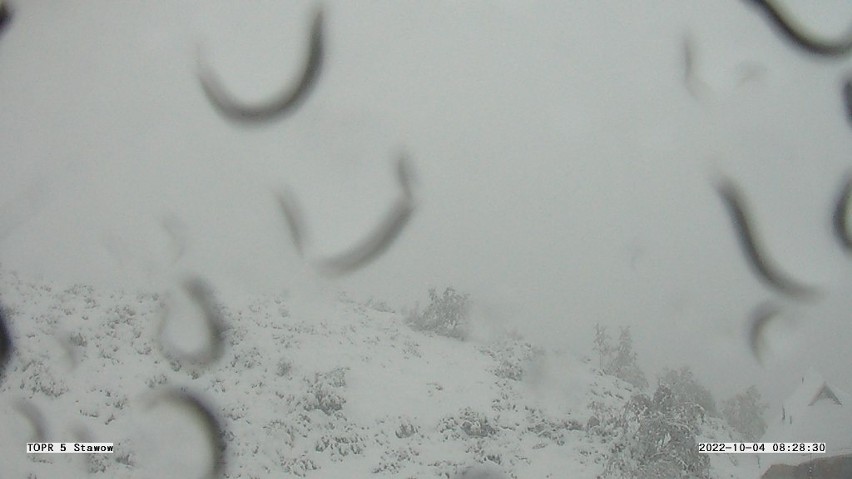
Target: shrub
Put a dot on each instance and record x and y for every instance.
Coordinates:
(471, 423)
(656, 439)
(324, 392)
(545, 426)
(511, 356)
(406, 428)
(299, 466)
(284, 367)
(340, 445)
(446, 315)
(393, 460)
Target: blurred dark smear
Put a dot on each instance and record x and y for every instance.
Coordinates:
(760, 319)
(385, 233)
(35, 417)
(793, 31)
(203, 413)
(293, 216)
(5, 16)
(374, 245)
(841, 215)
(5, 344)
(847, 98)
(748, 240)
(70, 349)
(285, 102)
(201, 294)
(694, 85)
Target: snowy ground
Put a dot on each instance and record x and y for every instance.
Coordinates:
(302, 388)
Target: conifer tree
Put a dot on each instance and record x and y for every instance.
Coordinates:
(744, 413)
(602, 346)
(624, 365)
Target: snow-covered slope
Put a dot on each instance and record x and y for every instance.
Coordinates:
(814, 412)
(302, 388)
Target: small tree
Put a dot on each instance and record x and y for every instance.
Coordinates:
(624, 365)
(688, 390)
(658, 440)
(602, 346)
(744, 413)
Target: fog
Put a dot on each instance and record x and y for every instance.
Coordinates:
(564, 160)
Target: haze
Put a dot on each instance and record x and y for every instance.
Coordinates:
(564, 169)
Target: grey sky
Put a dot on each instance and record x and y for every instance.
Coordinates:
(564, 172)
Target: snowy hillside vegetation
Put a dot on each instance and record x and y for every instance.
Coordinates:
(307, 388)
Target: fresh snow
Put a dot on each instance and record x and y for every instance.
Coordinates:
(304, 388)
(808, 418)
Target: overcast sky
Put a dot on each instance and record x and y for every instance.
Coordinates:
(564, 171)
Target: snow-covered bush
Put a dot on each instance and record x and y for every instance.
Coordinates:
(298, 466)
(378, 305)
(483, 452)
(77, 339)
(324, 392)
(469, 422)
(406, 428)
(283, 367)
(340, 445)
(247, 358)
(446, 315)
(656, 439)
(37, 377)
(512, 357)
(549, 427)
(394, 459)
